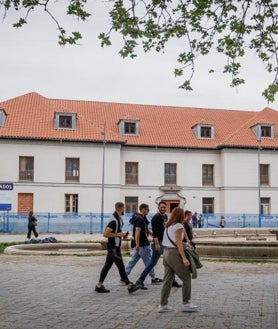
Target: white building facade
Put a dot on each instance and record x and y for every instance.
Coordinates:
(54, 170)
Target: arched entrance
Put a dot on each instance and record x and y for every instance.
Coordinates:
(172, 201)
(171, 204)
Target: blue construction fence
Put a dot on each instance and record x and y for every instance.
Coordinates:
(11, 222)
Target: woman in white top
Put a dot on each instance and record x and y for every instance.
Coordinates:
(175, 262)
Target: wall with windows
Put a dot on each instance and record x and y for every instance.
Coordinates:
(49, 184)
(232, 189)
(151, 164)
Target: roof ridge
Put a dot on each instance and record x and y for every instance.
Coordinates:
(246, 123)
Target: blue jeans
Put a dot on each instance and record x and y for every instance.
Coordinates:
(154, 259)
(145, 254)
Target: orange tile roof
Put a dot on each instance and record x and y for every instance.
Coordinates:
(31, 116)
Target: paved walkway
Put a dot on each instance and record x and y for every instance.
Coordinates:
(58, 292)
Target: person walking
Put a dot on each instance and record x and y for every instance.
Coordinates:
(200, 221)
(195, 220)
(158, 222)
(113, 232)
(141, 244)
(222, 222)
(175, 262)
(188, 234)
(32, 223)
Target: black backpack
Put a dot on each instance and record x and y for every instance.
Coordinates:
(133, 218)
(132, 222)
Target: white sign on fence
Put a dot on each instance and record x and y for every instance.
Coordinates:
(6, 190)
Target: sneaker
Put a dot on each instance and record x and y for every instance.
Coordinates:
(176, 284)
(141, 286)
(189, 307)
(156, 281)
(101, 289)
(164, 308)
(133, 288)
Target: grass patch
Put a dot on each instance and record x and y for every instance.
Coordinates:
(4, 245)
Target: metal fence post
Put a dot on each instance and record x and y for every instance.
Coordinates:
(91, 223)
(48, 220)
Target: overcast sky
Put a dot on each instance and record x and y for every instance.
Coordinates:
(32, 61)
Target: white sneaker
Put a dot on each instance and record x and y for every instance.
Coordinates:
(189, 307)
(164, 308)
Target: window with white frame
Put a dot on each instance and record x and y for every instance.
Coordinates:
(71, 203)
(265, 206)
(129, 127)
(205, 131)
(264, 130)
(65, 121)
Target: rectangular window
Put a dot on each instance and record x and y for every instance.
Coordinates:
(131, 172)
(265, 206)
(72, 169)
(266, 131)
(130, 128)
(205, 132)
(170, 173)
(71, 202)
(264, 174)
(26, 168)
(208, 205)
(207, 174)
(65, 121)
(131, 204)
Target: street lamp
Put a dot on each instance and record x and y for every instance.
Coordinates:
(259, 180)
(103, 133)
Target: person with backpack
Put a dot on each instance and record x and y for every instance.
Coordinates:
(113, 232)
(140, 243)
(158, 222)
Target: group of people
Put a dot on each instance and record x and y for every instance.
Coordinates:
(197, 220)
(171, 237)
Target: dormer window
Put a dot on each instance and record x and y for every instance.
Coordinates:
(65, 121)
(204, 131)
(3, 116)
(264, 130)
(129, 127)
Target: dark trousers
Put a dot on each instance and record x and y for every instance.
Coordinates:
(114, 256)
(32, 229)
